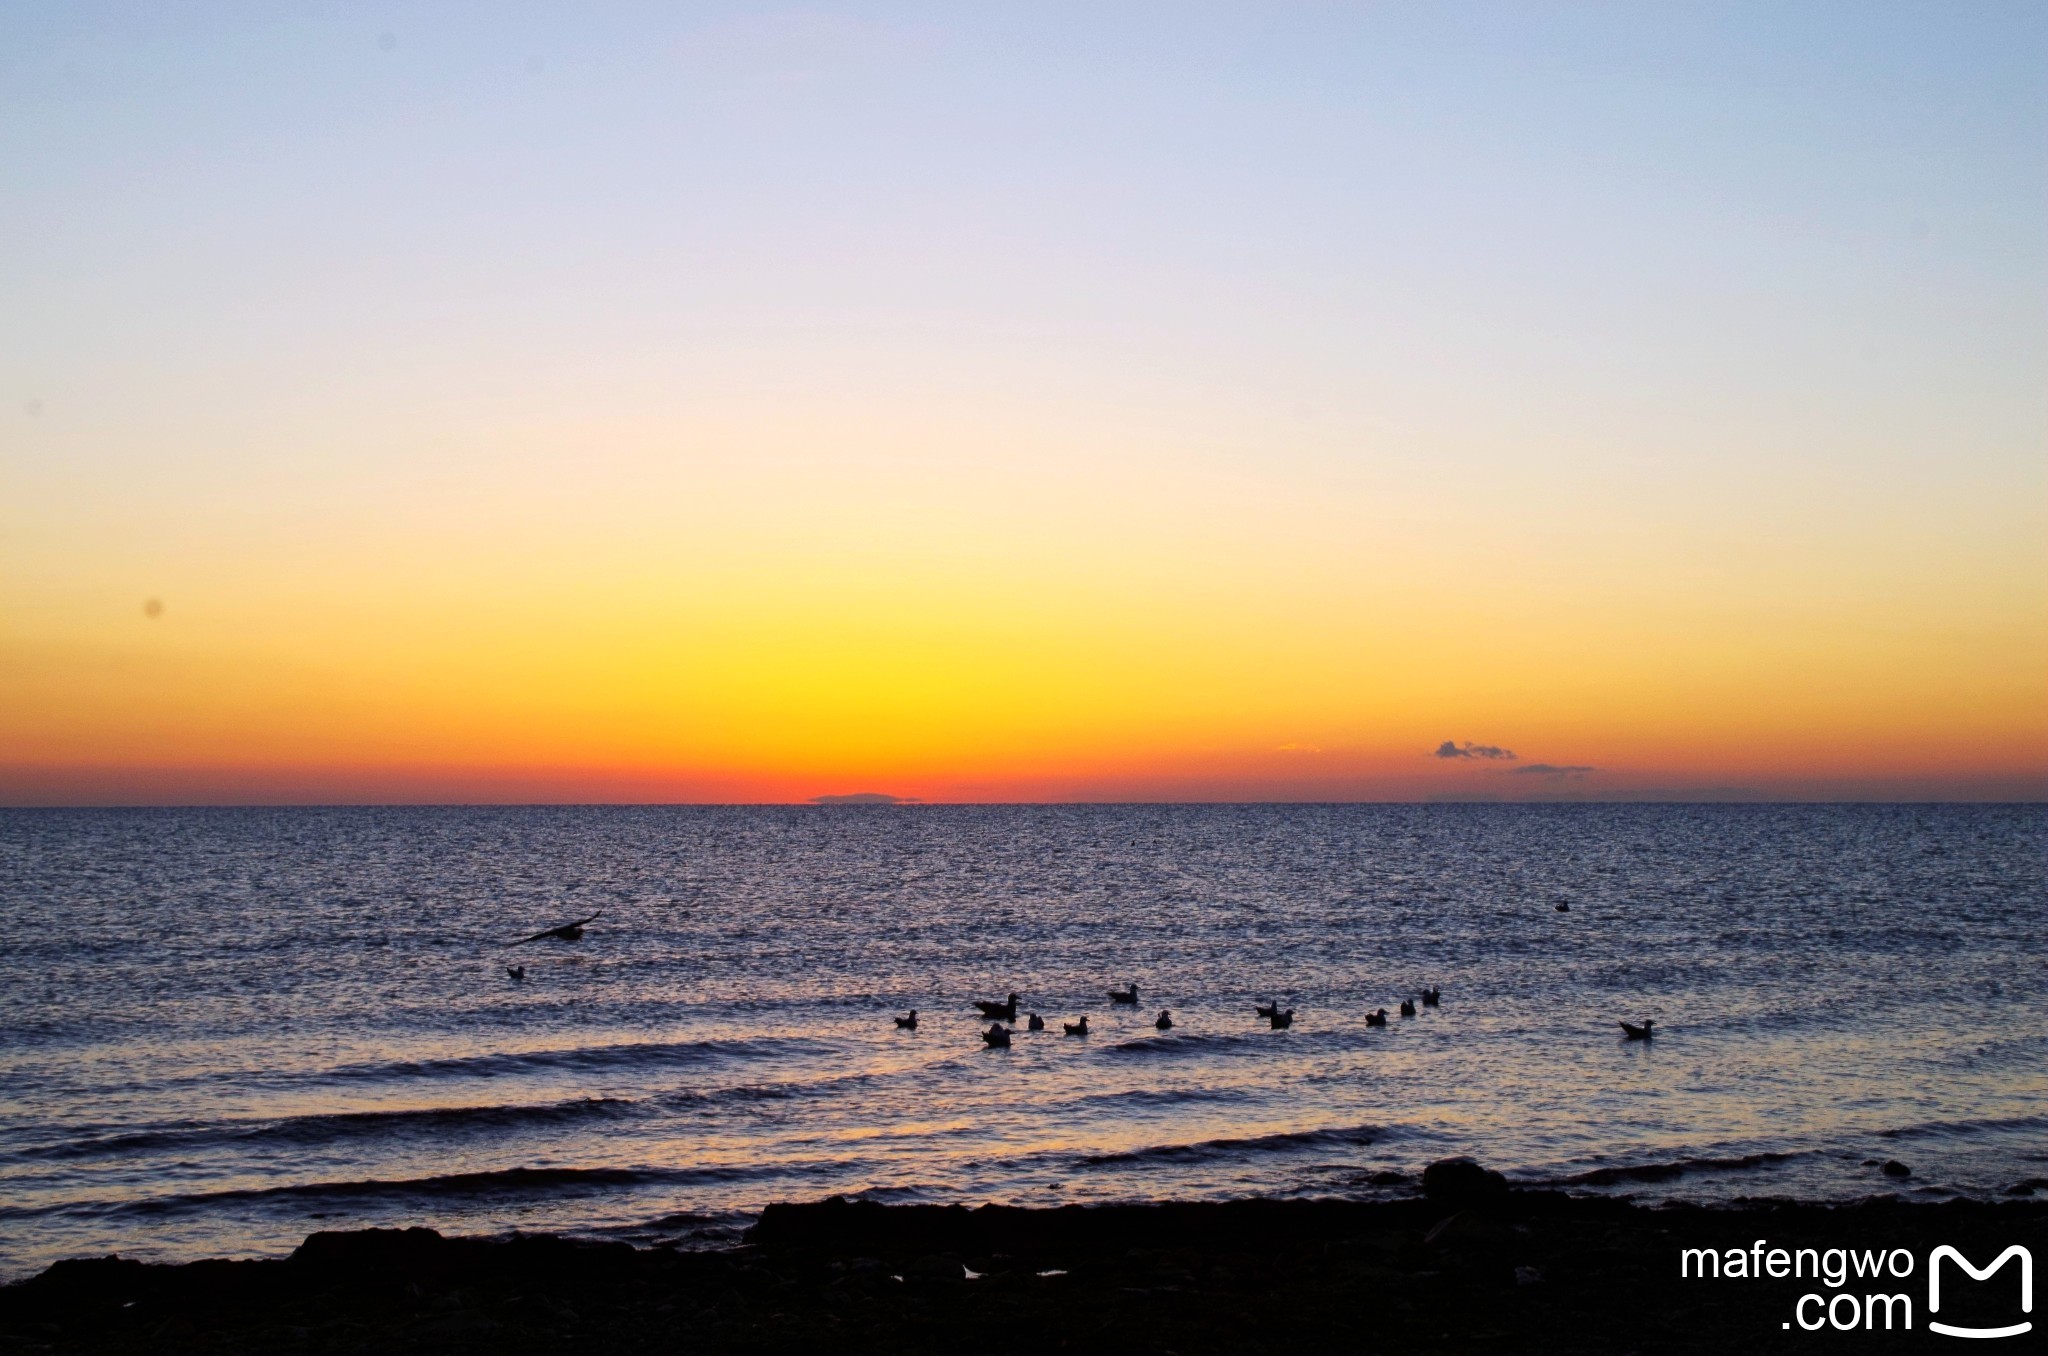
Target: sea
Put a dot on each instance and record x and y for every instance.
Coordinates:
(223, 1029)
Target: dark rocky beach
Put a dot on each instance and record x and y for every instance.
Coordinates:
(1468, 1267)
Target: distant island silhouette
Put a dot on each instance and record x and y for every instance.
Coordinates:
(865, 798)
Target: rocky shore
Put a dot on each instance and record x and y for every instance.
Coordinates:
(1470, 1266)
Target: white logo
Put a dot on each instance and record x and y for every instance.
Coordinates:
(2026, 1289)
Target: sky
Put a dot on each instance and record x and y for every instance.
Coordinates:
(996, 402)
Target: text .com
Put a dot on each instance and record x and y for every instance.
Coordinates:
(1880, 1301)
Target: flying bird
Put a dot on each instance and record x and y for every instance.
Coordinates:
(567, 932)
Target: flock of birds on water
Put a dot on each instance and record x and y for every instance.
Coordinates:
(997, 1036)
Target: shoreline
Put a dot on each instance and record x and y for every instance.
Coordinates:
(1471, 1265)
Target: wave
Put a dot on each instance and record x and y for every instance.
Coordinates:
(573, 1059)
(1162, 1097)
(1289, 1141)
(1193, 1043)
(1663, 1172)
(766, 1092)
(580, 1059)
(328, 1127)
(114, 1141)
(1943, 1128)
(513, 1182)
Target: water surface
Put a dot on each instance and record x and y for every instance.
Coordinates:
(226, 1028)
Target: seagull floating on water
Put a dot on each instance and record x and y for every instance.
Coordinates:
(997, 1037)
(1376, 1018)
(516, 971)
(1006, 1011)
(1037, 1022)
(1407, 1007)
(1638, 1033)
(1128, 996)
(1432, 997)
(1079, 1028)
(1165, 1022)
(567, 932)
(1282, 1019)
(908, 1023)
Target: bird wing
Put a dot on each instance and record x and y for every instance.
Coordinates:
(558, 928)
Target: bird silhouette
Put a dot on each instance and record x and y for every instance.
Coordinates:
(1079, 1028)
(567, 932)
(907, 1023)
(997, 1037)
(1005, 1011)
(1165, 1022)
(1637, 1033)
(1127, 996)
(1282, 1019)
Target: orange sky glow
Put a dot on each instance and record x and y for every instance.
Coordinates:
(773, 407)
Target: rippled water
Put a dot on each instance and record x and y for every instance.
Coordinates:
(226, 1028)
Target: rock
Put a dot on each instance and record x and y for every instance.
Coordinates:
(400, 1252)
(1466, 1231)
(936, 1267)
(1461, 1182)
(1894, 1168)
(463, 1324)
(108, 1279)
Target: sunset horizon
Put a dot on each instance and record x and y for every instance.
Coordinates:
(1197, 676)
(132, 787)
